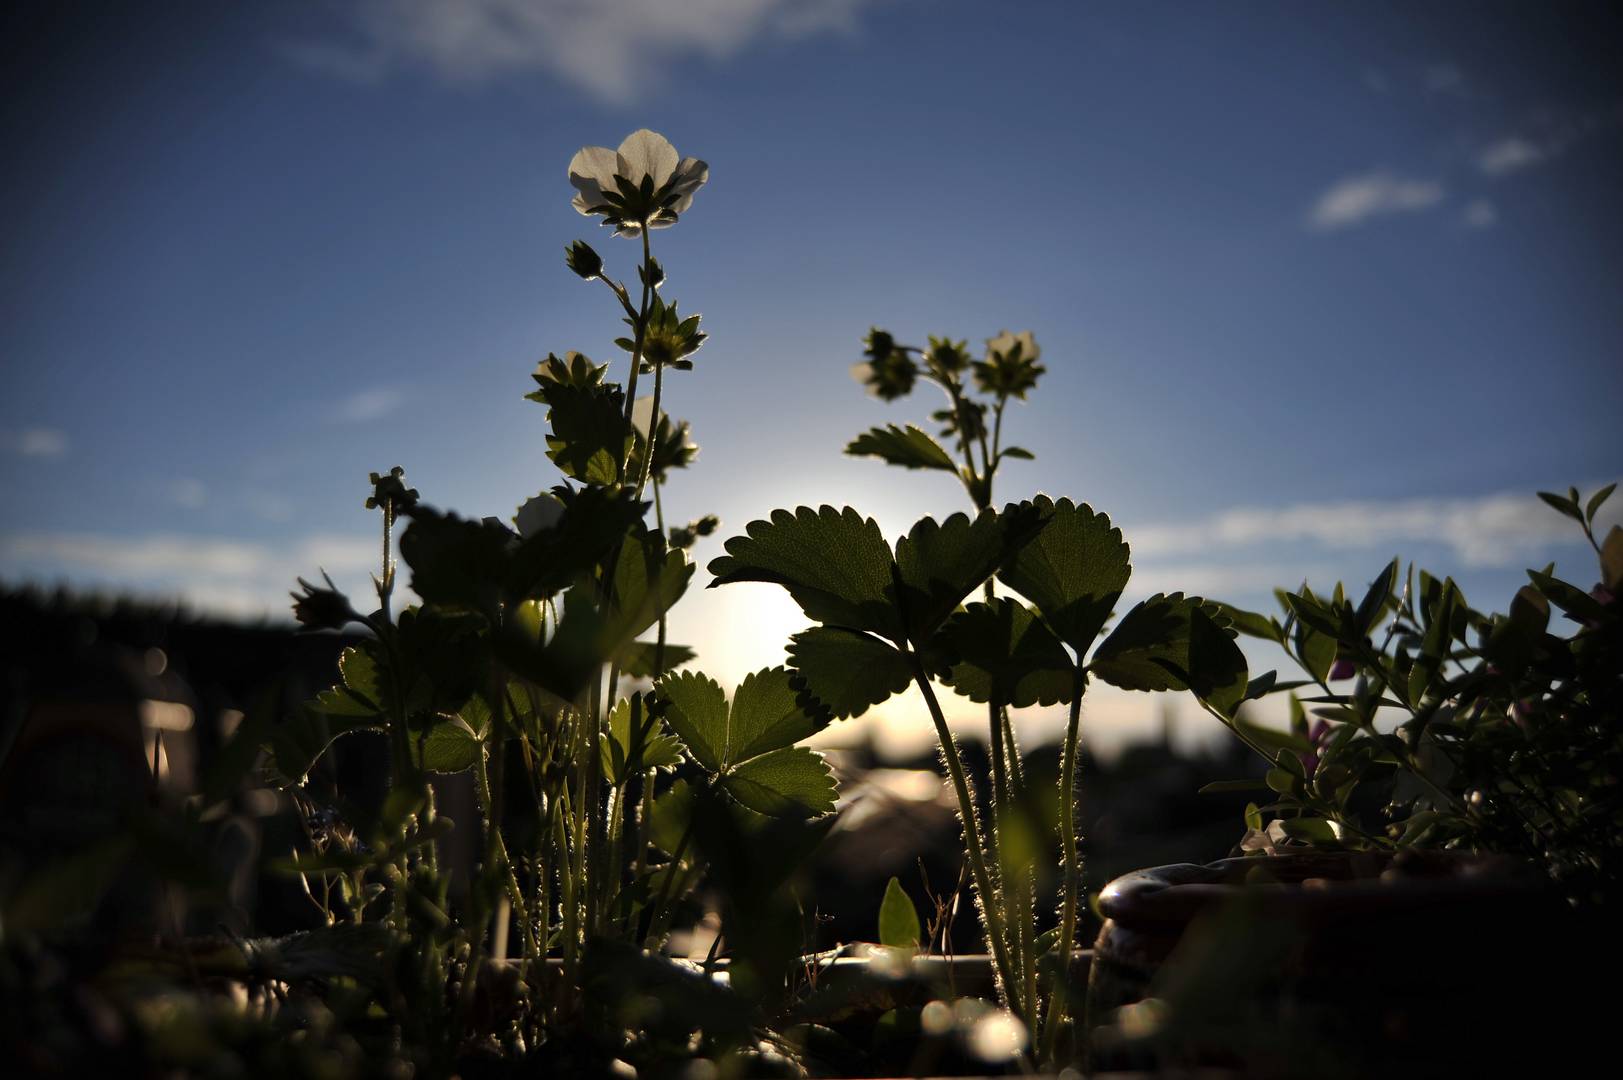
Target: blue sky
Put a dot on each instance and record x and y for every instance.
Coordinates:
(1315, 286)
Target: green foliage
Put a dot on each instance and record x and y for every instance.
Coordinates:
(449, 745)
(748, 746)
(590, 434)
(899, 926)
(1074, 570)
(1458, 729)
(635, 739)
(938, 565)
(846, 670)
(1002, 652)
(908, 447)
(834, 563)
(669, 339)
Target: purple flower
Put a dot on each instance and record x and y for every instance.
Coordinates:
(1343, 668)
(1317, 736)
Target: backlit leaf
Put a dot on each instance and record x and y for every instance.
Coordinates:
(1074, 570)
(908, 447)
(834, 563)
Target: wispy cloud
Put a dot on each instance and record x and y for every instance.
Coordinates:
(1509, 154)
(372, 404)
(1357, 199)
(612, 49)
(1488, 531)
(223, 576)
(35, 442)
(1480, 214)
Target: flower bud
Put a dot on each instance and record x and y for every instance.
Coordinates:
(322, 609)
(583, 260)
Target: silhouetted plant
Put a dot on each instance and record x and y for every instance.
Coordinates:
(1461, 730)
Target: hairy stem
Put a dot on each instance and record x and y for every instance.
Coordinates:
(992, 917)
(1073, 872)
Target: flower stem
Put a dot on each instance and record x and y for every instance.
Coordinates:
(992, 918)
(642, 330)
(1073, 873)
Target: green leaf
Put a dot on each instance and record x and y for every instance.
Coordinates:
(637, 659)
(450, 746)
(1312, 613)
(1311, 830)
(769, 713)
(1611, 559)
(834, 563)
(1567, 506)
(1074, 571)
(590, 435)
(1318, 651)
(1596, 500)
(634, 740)
(648, 581)
(1261, 686)
(1019, 452)
(792, 782)
(1574, 601)
(1282, 781)
(1373, 606)
(899, 926)
(1217, 667)
(594, 524)
(456, 562)
(695, 706)
(1001, 652)
(1434, 646)
(848, 672)
(358, 694)
(1250, 623)
(908, 447)
(940, 564)
(1148, 646)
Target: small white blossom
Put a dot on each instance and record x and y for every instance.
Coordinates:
(643, 184)
(1003, 345)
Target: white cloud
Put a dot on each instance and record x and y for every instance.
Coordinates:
(1357, 199)
(1480, 214)
(1509, 154)
(238, 578)
(35, 442)
(370, 404)
(612, 49)
(1489, 531)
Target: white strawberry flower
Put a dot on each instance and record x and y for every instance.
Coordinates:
(643, 184)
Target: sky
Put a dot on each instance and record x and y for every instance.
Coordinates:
(1315, 286)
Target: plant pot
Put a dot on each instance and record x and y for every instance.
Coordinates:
(1336, 964)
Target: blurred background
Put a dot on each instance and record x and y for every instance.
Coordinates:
(1314, 287)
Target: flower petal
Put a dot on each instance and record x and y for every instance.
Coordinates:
(1001, 344)
(594, 163)
(647, 153)
(590, 171)
(690, 175)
